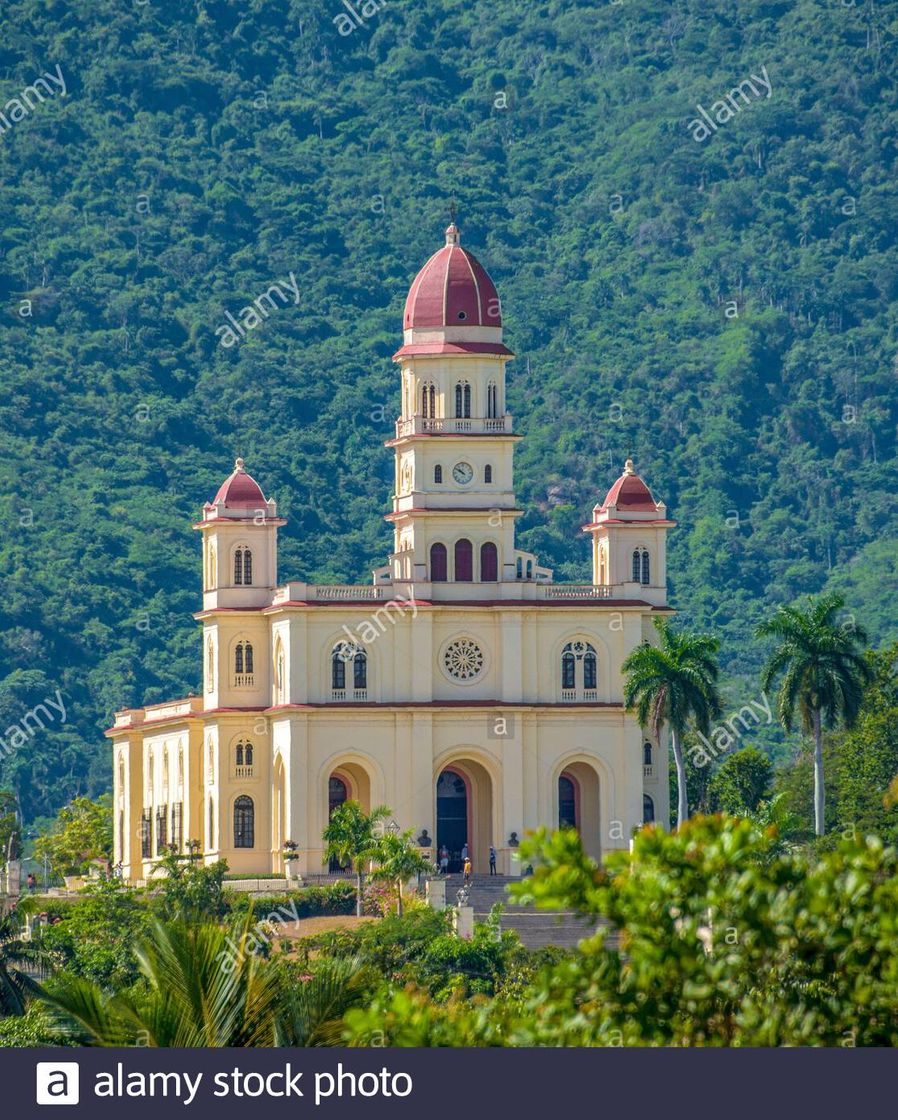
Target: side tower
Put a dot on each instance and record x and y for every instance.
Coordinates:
(629, 539)
(239, 530)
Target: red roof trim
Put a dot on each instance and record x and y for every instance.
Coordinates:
(435, 349)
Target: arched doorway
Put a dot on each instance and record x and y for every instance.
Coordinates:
(464, 812)
(452, 816)
(579, 805)
(648, 809)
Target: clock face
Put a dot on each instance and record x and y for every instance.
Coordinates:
(463, 473)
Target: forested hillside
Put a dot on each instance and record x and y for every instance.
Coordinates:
(722, 309)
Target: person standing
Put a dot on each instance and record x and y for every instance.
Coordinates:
(444, 860)
(464, 851)
(492, 860)
(467, 869)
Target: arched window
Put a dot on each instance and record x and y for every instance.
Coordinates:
(492, 401)
(238, 755)
(280, 673)
(338, 667)
(489, 562)
(488, 473)
(648, 809)
(244, 822)
(428, 402)
(438, 563)
(243, 661)
(529, 569)
(589, 670)
(463, 399)
(360, 670)
(438, 473)
(467, 402)
(464, 561)
(243, 567)
(641, 568)
(519, 569)
(647, 754)
(568, 670)
(579, 671)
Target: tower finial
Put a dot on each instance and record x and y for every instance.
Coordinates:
(628, 467)
(452, 235)
(238, 464)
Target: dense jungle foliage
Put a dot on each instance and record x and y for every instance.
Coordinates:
(722, 310)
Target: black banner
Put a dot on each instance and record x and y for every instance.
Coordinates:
(438, 1084)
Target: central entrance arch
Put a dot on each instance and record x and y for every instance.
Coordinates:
(452, 816)
(464, 813)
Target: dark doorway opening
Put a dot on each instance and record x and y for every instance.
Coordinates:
(452, 816)
(567, 803)
(336, 795)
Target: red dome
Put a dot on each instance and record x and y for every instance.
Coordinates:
(240, 490)
(630, 493)
(452, 290)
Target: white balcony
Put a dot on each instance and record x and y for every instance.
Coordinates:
(244, 680)
(575, 591)
(438, 426)
(243, 771)
(648, 770)
(341, 695)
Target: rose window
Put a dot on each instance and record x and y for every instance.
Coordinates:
(463, 659)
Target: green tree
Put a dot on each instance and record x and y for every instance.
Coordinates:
(19, 959)
(398, 859)
(188, 890)
(312, 1006)
(352, 838)
(81, 833)
(204, 986)
(674, 683)
(8, 821)
(823, 673)
(96, 933)
(741, 782)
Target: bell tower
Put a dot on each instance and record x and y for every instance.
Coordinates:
(454, 507)
(629, 539)
(239, 530)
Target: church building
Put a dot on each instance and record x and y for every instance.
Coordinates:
(461, 686)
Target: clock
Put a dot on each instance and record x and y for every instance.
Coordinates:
(463, 473)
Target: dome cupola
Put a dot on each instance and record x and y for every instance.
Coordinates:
(452, 306)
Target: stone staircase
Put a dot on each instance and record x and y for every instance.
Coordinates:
(536, 928)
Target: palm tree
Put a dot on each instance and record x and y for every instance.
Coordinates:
(205, 986)
(351, 836)
(398, 860)
(20, 961)
(311, 1012)
(675, 683)
(823, 673)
